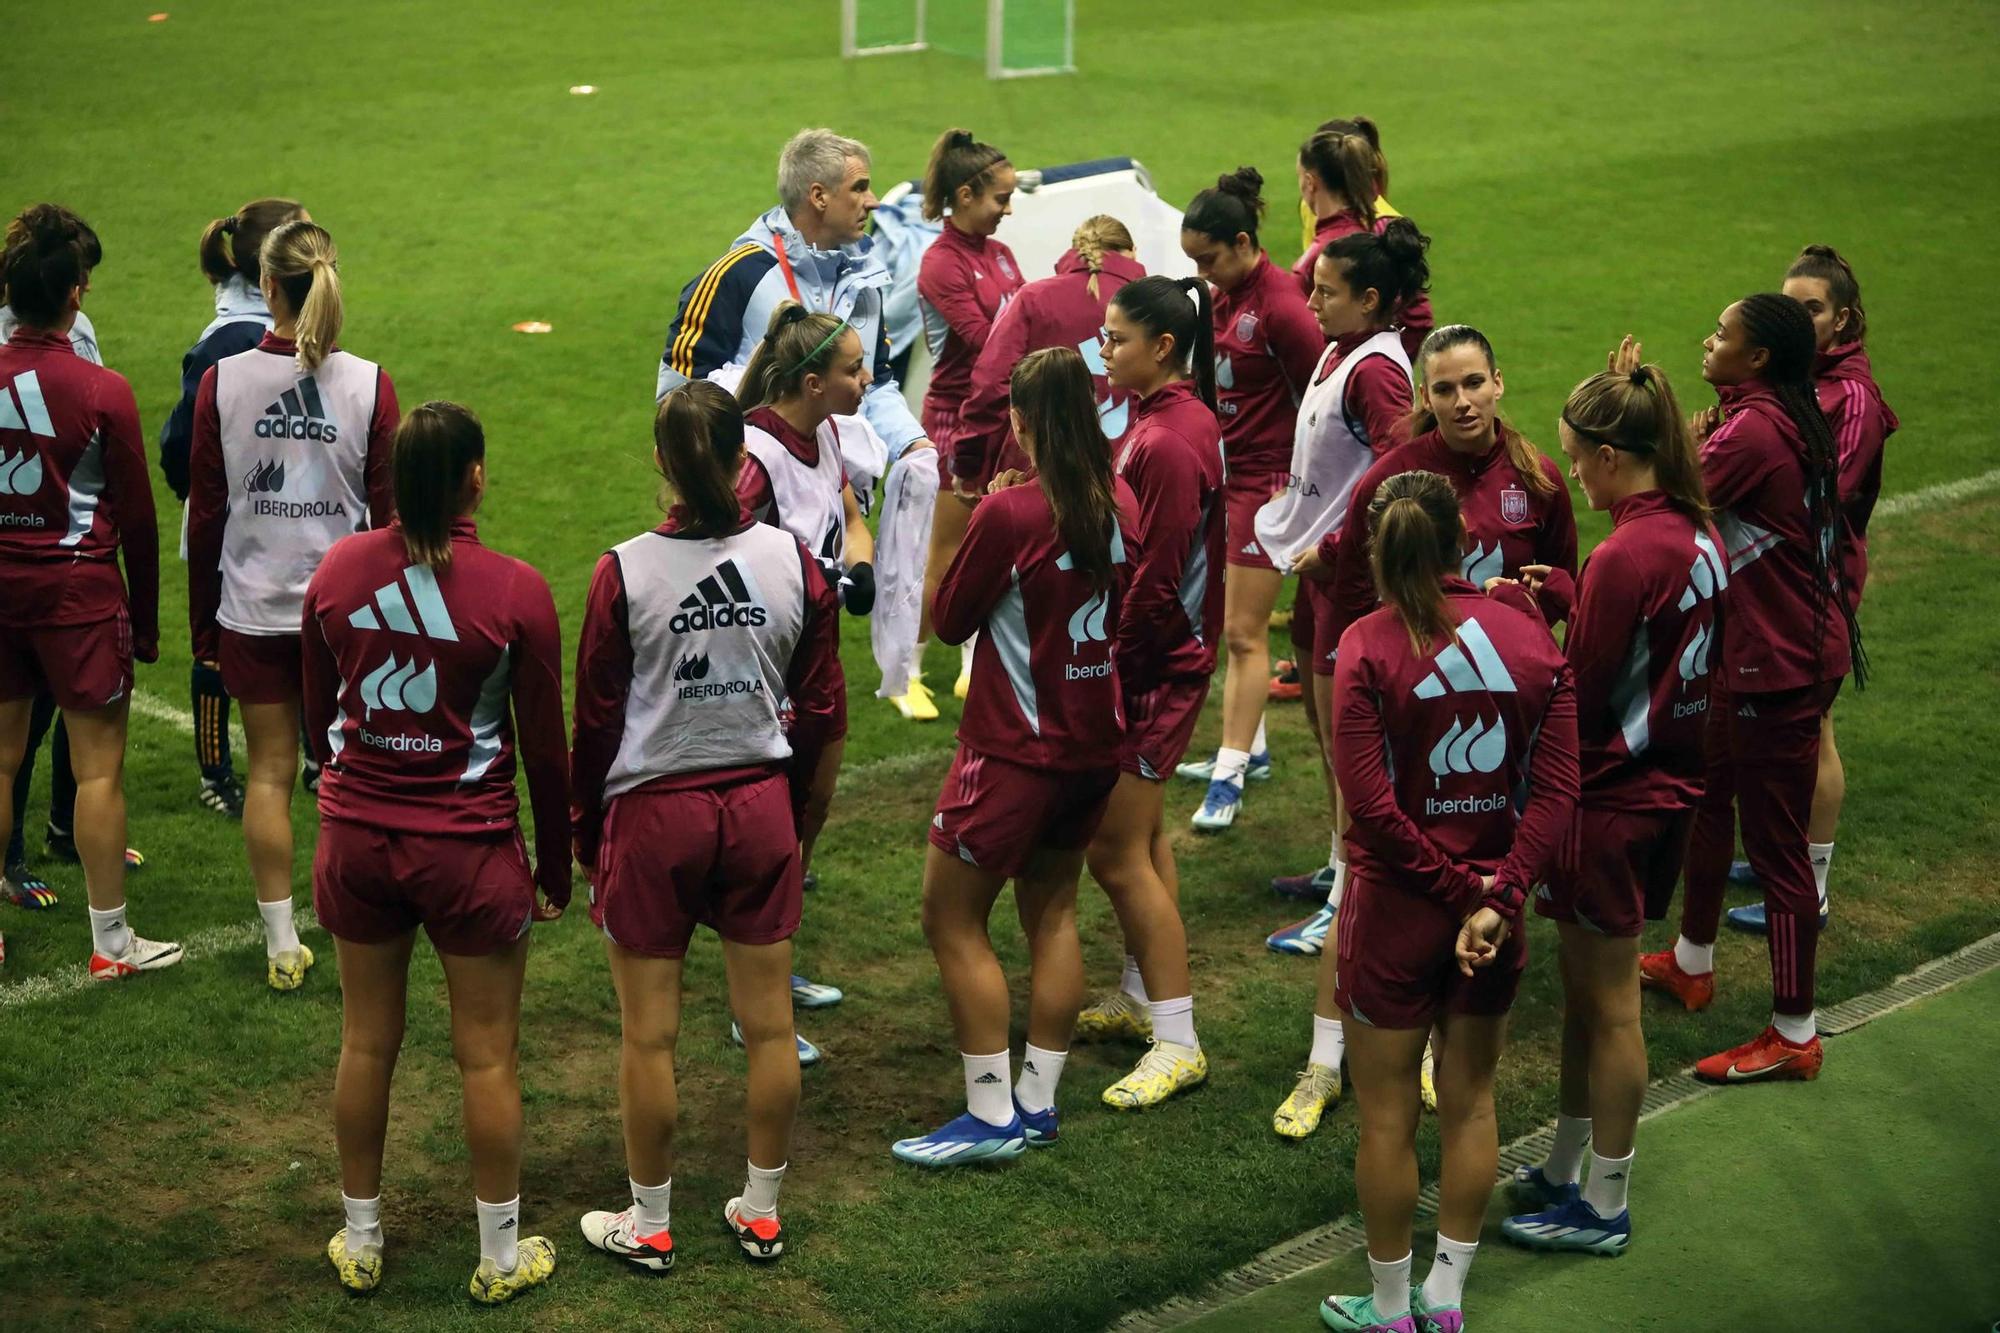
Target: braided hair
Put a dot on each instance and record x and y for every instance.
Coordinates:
(1783, 328)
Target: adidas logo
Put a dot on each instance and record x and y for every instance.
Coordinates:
(298, 414)
(23, 408)
(721, 600)
(692, 667)
(986, 1079)
(1707, 576)
(509, 1224)
(397, 685)
(1480, 564)
(1029, 1067)
(1251, 549)
(267, 477)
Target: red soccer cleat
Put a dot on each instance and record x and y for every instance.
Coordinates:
(1660, 971)
(1286, 685)
(1765, 1058)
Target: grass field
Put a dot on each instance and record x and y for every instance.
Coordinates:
(167, 1159)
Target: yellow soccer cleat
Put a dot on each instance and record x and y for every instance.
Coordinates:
(916, 705)
(1299, 1114)
(359, 1270)
(1427, 1079)
(536, 1260)
(963, 685)
(288, 970)
(1116, 1017)
(1166, 1069)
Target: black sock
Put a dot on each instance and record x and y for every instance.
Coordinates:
(211, 723)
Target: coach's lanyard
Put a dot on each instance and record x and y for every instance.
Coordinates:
(785, 266)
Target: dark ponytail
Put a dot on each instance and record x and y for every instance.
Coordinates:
(1348, 162)
(957, 159)
(435, 446)
(1824, 262)
(49, 252)
(1178, 306)
(230, 246)
(1052, 391)
(1784, 329)
(698, 439)
(1414, 540)
(1229, 208)
(798, 342)
(1635, 412)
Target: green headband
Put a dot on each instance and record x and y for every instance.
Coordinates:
(824, 343)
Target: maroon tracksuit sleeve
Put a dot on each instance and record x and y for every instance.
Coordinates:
(1379, 397)
(1553, 777)
(208, 510)
(1361, 766)
(138, 526)
(814, 682)
(1555, 546)
(319, 691)
(948, 287)
(977, 577)
(538, 730)
(379, 470)
(603, 682)
(982, 424)
(1169, 496)
(1732, 466)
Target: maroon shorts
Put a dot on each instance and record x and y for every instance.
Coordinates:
(724, 857)
(995, 815)
(1242, 496)
(1324, 639)
(1616, 870)
(471, 895)
(1159, 725)
(1397, 965)
(260, 668)
(86, 667)
(1305, 614)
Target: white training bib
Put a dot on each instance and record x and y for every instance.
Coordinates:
(808, 498)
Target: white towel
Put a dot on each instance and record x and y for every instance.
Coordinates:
(902, 547)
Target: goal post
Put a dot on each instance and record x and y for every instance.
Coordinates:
(1012, 38)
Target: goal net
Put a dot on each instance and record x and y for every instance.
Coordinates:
(1012, 38)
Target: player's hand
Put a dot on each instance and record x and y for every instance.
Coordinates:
(146, 648)
(1308, 565)
(1480, 938)
(1006, 479)
(1498, 581)
(1703, 423)
(963, 491)
(1534, 576)
(546, 910)
(1625, 358)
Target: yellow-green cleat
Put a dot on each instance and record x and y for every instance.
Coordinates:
(359, 1270)
(1166, 1069)
(533, 1265)
(1299, 1114)
(1116, 1017)
(288, 970)
(1427, 1087)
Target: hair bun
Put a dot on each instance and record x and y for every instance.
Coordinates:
(959, 138)
(1245, 183)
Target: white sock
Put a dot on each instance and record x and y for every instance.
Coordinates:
(1697, 960)
(1041, 1071)
(109, 935)
(1230, 765)
(760, 1191)
(1392, 1286)
(655, 1204)
(280, 933)
(1260, 745)
(965, 656)
(986, 1087)
(364, 1222)
(1446, 1283)
(1798, 1029)
(500, 1232)
(1173, 1020)
(1329, 1042)
(1132, 983)
(1822, 860)
(1333, 856)
(1339, 889)
(1564, 1164)
(1610, 1178)
(917, 662)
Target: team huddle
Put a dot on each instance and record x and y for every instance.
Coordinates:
(1110, 477)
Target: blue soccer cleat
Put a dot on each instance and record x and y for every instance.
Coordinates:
(1218, 808)
(1306, 938)
(964, 1142)
(1203, 770)
(1533, 1190)
(809, 1054)
(1750, 918)
(1573, 1227)
(1741, 875)
(812, 995)
(1041, 1126)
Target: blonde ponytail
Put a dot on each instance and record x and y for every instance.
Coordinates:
(1093, 237)
(301, 258)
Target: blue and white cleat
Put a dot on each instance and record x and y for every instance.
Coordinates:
(1573, 1227)
(964, 1142)
(1218, 808)
(1741, 875)
(1750, 919)
(1203, 770)
(1041, 1126)
(1306, 938)
(1531, 1189)
(809, 1054)
(812, 995)
(1357, 1314)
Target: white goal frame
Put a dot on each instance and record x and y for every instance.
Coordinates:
(996, 32)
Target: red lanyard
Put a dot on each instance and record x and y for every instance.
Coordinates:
(785, 264)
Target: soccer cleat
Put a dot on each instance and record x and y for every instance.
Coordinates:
(1166, 1069)
(1286, 685)
(808, 882)
(1116, 1017)
(222, 795)
(812, 995)
(288, 970)
(916, 704)
(1662, 971)
(617, 1234)
(3, 950)
(1306, 938)
(963, 685)
(25, 889)
(1219, 807)
(1299, 1114)
(1357, 1314)
(1533, 1190)
(1042, 1128)
(1765, 1058)
(964, 1142)
(535, 1261)
(1427, 1087)
(139, 956)
(1312, 888)
(1281, 617)
(1751, 919)
(809, 1054)
(358, 1270)
(63, 847)
(1434, 1318)
(1572, 1226)
(1741, 875)
(1203, 770)
(762, 1238)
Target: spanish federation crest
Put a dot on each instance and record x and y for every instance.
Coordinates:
(1246, 326)
(1006, 268)
(1514, 505)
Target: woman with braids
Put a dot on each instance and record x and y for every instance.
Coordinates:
(808, 369)
(1342, 178)
(1267, 345)
(1456, 750)
(1159, 347)
(1821, 281)
(687, 785)
(1042, 578)
(1771, 466)
(1642, 638)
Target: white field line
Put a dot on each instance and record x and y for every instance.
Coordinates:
(147, 704)
(202, 944)
(1944, 493)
